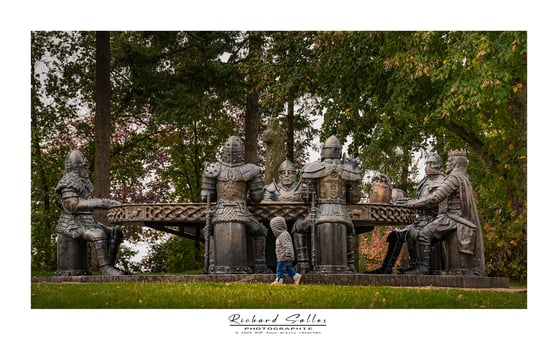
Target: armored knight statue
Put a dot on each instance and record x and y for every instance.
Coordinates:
(332, 183)
(457, 223)
(76, 219)
(396, 238)
(235, 239)
(290, 189)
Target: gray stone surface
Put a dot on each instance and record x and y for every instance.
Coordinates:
(333, 279)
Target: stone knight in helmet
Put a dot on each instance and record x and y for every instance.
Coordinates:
(457, 223)
(290, 189)
(333, 183)
(76, 219)
(232, 184)
(397, 237)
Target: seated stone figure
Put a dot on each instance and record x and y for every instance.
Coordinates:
(232, 184)
(397, 237)
(332, 183)
(76, 221)
(290, 189)
(457, 223)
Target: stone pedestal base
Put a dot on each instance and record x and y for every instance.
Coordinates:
(71, 256)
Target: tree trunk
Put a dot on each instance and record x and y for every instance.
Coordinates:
(102, 118)
(290, 131)
(251, 127)
(252, 117)
(101, 185)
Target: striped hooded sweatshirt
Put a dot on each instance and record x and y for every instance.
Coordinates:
(283, 243)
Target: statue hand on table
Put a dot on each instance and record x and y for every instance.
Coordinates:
(409, 203)
(102, 203)
(403, 201)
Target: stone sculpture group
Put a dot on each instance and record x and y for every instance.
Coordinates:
(445, 238)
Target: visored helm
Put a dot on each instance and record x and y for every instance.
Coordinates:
(75, 161)
(331, 148)
(232, 151)
(433, 164)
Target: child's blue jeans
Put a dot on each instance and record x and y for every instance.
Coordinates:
(285, 266)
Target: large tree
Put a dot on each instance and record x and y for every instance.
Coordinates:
(398, 93)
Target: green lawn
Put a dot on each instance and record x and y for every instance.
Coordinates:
(179, 295)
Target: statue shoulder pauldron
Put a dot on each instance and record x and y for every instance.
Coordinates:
(451, 180)
(250, 171)
(350, 173)
(271, 187)
(314, 170)
(212, 170)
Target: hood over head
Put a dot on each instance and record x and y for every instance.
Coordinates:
(278, 225)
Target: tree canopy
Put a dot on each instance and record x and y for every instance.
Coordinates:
(176, 96)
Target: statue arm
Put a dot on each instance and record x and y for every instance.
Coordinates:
(354, 193)
(96, 203)
(255, 189)
(450, 184)
(72, 202)
(209, 182)
(269, 193)
(307, 189)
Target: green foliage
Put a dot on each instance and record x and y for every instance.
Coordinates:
(56, 73)
(401, 93)
(124, 259)
(175, 255)
(263, 296)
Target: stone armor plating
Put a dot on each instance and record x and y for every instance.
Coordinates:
(234, 185)
(235, 239)
(334, 184)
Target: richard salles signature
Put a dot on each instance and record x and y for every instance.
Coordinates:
(295, 319)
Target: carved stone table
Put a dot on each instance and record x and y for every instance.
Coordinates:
(187, 219)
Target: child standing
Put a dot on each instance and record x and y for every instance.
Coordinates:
(284, 251)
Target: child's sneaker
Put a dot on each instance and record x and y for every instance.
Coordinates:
(277, 282)
(297, 278)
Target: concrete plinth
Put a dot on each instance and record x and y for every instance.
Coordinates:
(335, 279)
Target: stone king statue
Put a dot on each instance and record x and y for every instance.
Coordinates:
(76, 220)
(332, 183)
(232, 184)
(397, 237)
(457, 223)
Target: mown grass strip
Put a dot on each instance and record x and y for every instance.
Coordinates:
(177, 295)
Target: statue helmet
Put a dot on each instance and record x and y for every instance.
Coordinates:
(287, 165)
(75, 160)
(232, 151)
(433, 164)
(331, 149)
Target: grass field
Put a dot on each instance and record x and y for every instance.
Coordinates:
(179, 295)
